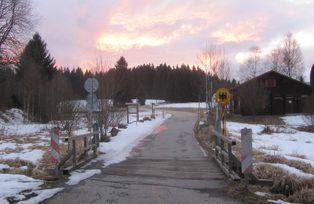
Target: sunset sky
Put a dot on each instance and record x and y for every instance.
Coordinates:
(78, 32)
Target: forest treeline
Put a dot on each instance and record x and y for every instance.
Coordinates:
(37, 86)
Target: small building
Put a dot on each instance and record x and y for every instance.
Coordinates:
(271, 93)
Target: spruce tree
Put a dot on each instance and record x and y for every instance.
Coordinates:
(36, 69)
(36, 52)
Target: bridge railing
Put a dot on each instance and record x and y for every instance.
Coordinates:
(224, 156)
(81, 149)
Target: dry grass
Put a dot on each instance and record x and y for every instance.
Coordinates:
(16, 164)
(303, 166)
(284, 183)
(204, 136)
(298, 155)
(272, 147)
(260, 119)
(305, 195)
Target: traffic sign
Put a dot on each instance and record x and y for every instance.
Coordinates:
(91, 85)
(223, 96)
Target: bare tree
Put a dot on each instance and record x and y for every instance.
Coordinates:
(252, 66)
(287, 58)
(15, 21)
(215, 63)
(275, 59)
(68, 116)
(292, 58)
(224, 71)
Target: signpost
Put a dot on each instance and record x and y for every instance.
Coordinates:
(132, 109)
(91, 86)
(223, 98)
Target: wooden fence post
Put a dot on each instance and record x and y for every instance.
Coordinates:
(246, 152)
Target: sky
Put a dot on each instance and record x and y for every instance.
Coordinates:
(84, 32)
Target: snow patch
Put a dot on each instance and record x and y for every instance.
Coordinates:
(292, 170)
(294, 120)
(262, 194)
(12, 184)
(120, 146)
(42, 195)
(184, 105)
(80, 175)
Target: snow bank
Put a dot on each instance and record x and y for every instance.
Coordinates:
(120, 146)
(80, 175)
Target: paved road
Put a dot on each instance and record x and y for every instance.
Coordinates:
(166, 167)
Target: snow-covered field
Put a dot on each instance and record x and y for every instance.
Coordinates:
(184, 105)
(25, 141)
(286, 141)
(155, 101)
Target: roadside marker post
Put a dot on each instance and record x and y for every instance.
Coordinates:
(246, 151)
(54, 144)
(153, 111)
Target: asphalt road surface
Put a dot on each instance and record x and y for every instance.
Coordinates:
(168, 166)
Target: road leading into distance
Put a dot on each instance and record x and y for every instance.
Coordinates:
(168, 166)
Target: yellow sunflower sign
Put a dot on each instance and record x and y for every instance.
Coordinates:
(223, 96)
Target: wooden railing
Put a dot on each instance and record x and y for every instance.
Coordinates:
(81, 149)
(224, 156)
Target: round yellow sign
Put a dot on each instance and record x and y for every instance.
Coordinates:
(223, 96)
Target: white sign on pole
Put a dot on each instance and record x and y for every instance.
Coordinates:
(133, 109)
(91, 85)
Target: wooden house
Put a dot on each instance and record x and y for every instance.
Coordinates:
(271, 93)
